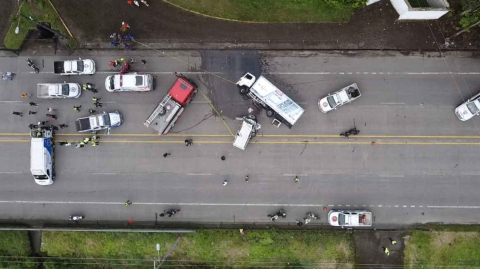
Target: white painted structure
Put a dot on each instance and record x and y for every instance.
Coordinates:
(437, 9)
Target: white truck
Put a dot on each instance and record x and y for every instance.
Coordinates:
(339, 98)
(42, 156)
(468, 109)
(74, 67)
(98, 122)
(58, 90)
(277, 104)
(248, 130)
(350, 218)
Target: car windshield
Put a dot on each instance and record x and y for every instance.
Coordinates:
(106, 120)
(80, 66)
(65, 89)
(138, 80)
(112, 82)
(331, 101)
(41, 177)
(472, 107)
(341, 219)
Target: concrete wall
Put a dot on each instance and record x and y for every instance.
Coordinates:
(406, 12)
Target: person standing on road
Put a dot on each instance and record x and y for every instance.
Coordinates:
(31, 112)
(299, 223)
(386, 251)
(91, 111)
(127, 203)
(246, 178)
(18, 113)
(25, 95)
(392, 241)
(77, 108)
(98, 104)
(166, 154)
(63, 126)
(223, 158)
(225, 182)
(188, 142)
(95, 99)
(33, 104)
(296, 180)
(32, 126)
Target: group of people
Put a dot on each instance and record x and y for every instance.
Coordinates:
(93, 142)
(124, 65)
(124, 39)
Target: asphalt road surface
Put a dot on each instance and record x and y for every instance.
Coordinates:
(422, 168)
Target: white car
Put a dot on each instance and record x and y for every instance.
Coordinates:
(58, 90)
(98, 122)
(339, 98)
(468, 109)
(130, 82)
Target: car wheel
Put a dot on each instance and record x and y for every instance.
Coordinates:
(270, 113)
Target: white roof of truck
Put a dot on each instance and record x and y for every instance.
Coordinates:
(241, 139)
(37, 155)
(277, 100)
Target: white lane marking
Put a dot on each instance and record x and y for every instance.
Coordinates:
(226, 204)
(392, 103)
(11, 172)
(373, 73)
(292, 175)
(198, 174)
(104, 173)
(391, 175)
(11, 101)
(109, 102)
(160, 73)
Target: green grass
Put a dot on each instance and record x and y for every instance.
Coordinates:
(41, 11)
(274, 10)
(443, 248)
(15, 243)
(223, 248)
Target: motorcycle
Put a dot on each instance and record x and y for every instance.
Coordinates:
(309, 217)
(353, 131)
(145, 2)
(172, 212)
(280, 213)
(75, 217)
(32, 65)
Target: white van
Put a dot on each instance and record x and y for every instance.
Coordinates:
(130, 82)
(248, 130)
(41, 159)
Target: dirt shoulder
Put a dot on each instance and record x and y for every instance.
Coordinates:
(373, 27)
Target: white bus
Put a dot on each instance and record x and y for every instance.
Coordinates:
(41, 157)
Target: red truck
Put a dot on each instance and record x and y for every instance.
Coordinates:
(166, 113)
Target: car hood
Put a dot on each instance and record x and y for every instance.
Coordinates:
(88, 66)
(115, 118)
(323, 105)
(74, 90)
(463, 113)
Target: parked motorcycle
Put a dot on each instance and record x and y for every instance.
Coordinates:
(32, 65)
(75, 217)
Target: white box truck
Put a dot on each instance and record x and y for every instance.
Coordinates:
(42, 156)
(276, 103)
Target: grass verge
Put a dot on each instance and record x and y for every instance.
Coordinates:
(443, 248)
(41, 11)
(15, 244)
(274, 10)
(211, 248)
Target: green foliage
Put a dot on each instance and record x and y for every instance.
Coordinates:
(275, 10)
(17, 245)
(41, 11)
(468, 20)
(220, 248)
(470, 4)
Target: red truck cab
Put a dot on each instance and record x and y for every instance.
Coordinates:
(172, 105)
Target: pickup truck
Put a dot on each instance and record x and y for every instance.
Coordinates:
(339, 98)
(98, 122)
(469, 109)
(74, 67)
(350, 218)
(58, 90)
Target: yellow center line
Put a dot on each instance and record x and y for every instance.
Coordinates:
(406, 143)
(262, 136)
